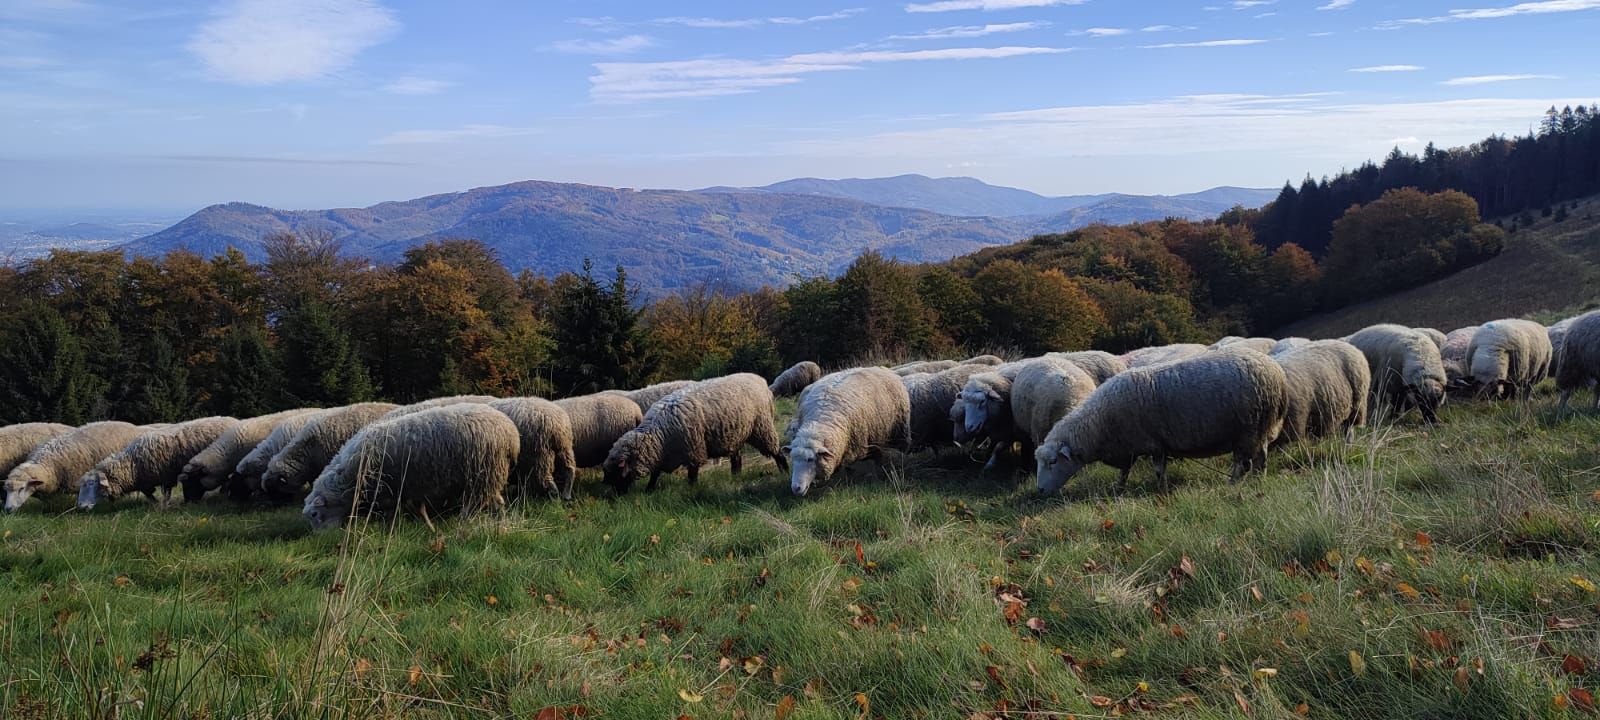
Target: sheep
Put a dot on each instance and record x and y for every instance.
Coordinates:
(1228, 400)
(797, 378)
(546, 458)
(1509, 355)
(1287, 344)
(1579, 365)
(846, 417)
(417, 407)
(693, 426)
(1100, 365)
(1454, 356)
(150, 461)
(648, 396)
(987, 397)
(246, 477)
(17, 442)
(451, 457)
(208, 470)
(1435, 335)
(298, 463)
(1042, 394)
(1406, 369)
(1328, 382)
(925, 366)
(1144, 357)
(933, 395)
(990, 360)
(1261, 345)
(57, 464)
(1557, 333)
(597, 421)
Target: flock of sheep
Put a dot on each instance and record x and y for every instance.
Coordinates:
(1238, 397)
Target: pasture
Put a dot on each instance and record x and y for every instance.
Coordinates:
(1420, 572)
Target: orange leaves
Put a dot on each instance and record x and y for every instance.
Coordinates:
(785, 706)
(561, 712)
(122, 581)
(1407, 592)
(413, 675)
(861, 555)
(864, 703)
(1437, 640)
(1013, 604)
(1424, 540)
(1574, 665)
(1581, 699)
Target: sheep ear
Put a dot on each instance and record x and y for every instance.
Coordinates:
(1065, 453)
(824, 452)
(993, 395)
(786, 450)
(35, 484)
(319, 501)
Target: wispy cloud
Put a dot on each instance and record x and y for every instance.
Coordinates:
(1337, 5)
(24, 62)
(734, 23)
(1544, 7)
(411, 85)
(268, 160)
(469, 132)
(1489, 79)
(605, 46)
(1247, 4)
(1387, 69)
(953, 5)
(634, 82)
(1205, 44)
(971, 31)
(267, 42)
(1101, 32)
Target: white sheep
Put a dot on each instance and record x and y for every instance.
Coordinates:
(846, 417)
(932, 396)
(1261, 345)
(648, 396)
(1454, 356)
(1328, 384)
(1509, 355)
(597, 421)
(1433, 334)
(19, 441)
(210, 468)
(151, 461)
(1144, 357)
(1101, 366)
(797, 378)
(1407, 370)
(59, 463)
(245, 480)
(430, 404)
(697, 424)
(923, 366)
(1042, 394)
(1579, 364)
(299, 462)
(1287, 344)
(545, 459)
(443, 459)
(1224, 401)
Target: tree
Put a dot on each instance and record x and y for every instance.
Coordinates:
(696, 331)
(954, 306)
(808, 329)
(162, 380)
(1035, 312)
(43, 372)
(880, 312)
(1135, 318)
(599, 343)
(1404, 239)
(320, 365)
(251, 384)
(1289, 278)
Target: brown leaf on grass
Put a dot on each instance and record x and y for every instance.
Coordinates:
(1014, 610)
(437, 546)
(1255, 592)
(413, 675)
(1424, 540)
(1186, 566)
(863, 703)
(122, 581)
(1101, 701)
(1358, 664)
(1573, 665)
(785, 706)
(363, 666)
(753, 664)
(861, 555)
(1405, 590)
(1107, 524)
(561, 712)
(1244, 705)
(1179, 632)
(690, 696)
(1437, 640)
(1581, 699)
(1036, 625)
(1463, 679)
(994, 674)
(655, 539)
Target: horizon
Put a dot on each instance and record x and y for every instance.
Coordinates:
(302, 104)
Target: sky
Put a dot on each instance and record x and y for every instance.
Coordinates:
(335, 103)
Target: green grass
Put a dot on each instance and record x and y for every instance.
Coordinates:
(1453, 562)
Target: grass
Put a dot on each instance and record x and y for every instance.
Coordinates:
(1418, 573)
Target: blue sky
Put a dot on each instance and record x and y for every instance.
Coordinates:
(322, 103)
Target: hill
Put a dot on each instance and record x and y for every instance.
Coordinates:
(965, 196)
(665, 238)
(1546, 267)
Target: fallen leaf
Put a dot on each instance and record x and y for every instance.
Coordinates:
(1302, 709)
(1560, 701)
(1264, 673)
(994, 674)
(1436, 639)
(863, 703)
(1463, 679)
(688, 696)
(1581, 699)
(655, 539)
(1583, 583)
(1142, 688)
(437, 546)
(1424, 541)
(1036, 625)
(1186, 566)
(1101, 701)
(1574, 665)
(1358, 664)
(1255, 592)
(1107, 524)
(785, 706)
(861, 556)
(491, 601)
(1119, 652)
(1365, 566)
(363, 666)
(413, 675)
(753, 664)
(1244, 705)
(122, 581)
(1410, 593)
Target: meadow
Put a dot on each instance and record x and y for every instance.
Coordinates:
(1420, 572)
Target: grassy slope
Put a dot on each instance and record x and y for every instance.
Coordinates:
(1546, 267)
(1453, 563)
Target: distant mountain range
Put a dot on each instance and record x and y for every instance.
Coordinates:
(740, 237)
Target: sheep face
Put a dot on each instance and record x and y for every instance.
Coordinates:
(22, 484)
(94, 488)
(808, 463)
(622, 470)
(324, 514)
(1056, 466)
(193, 481)
(958, 422)
(980, 406)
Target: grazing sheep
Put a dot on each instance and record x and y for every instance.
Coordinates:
(246, 477)
(1101, 366)
(597, 421)
(208, 470)
(1328, 382)
(545, 460)
(1226, 401)
(1454, 356)
(795, 379)
(417, 407)
(1407, 370)
(1557, 333)
(1509, 355)
(298, 463)
(987, 397)
(17, 442)
(452, 457)
(150, 461)
(933, 395)
(924, 366)
(1258, 344)
(1287, 344)
(645, 397)
(693, 426)
(1145, 357)
(846, 417)
(1436, 336)
(1579, 365)
(57, 464)
(990, 360)
(1042, 394)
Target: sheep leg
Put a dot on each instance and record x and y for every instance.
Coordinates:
(655, 476)
(736, 462)
(1122, 477)
(1241, 465)
(1160, 462)
(1561, 407)
(765, 440)
(694, 471)
(566, 473)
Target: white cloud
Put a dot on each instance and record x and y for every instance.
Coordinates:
(633, 82)
(1101, 32)
(1161, 28)
(469, 132)
(267, 42)
(1337, 4)
(1204, 44)
(417, 86)
(1488, 79)
(734, 23)
(1407, 140)
(1387, 69)
(1247, 4)
(986, 5)
(971, 31)
(1544, 7)
(608, 46)
(24, 62)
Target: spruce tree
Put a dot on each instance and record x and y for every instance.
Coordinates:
(319, 363)
(249, 381)
(599, 342)
(43, 373)
(161, 385)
